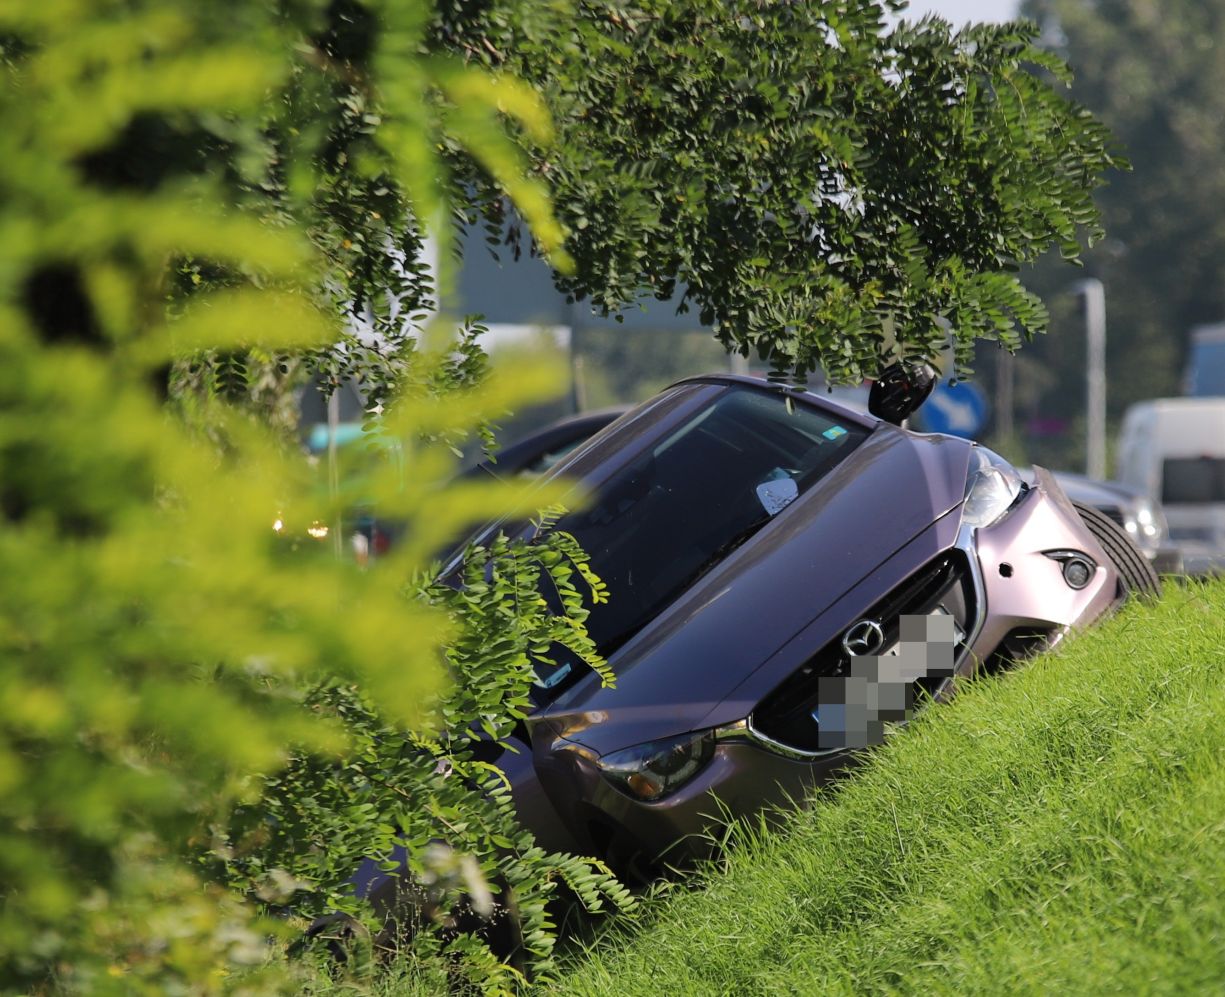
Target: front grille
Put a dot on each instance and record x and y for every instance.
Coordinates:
(788, 715)
(1114, 512)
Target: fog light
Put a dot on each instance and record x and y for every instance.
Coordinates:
(1078, 568)
(1077, 572)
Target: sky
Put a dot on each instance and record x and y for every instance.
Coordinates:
(960, 11)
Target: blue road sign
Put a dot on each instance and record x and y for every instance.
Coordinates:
(957, 409)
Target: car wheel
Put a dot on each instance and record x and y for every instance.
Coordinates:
(1136, 574)
(343, 939)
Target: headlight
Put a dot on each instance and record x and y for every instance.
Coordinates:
(992, 486)
(653, 770)
(1142, 522)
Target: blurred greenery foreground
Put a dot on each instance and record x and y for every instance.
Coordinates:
(206, 723)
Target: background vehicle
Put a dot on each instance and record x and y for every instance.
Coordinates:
(1205, 372)
(1174, 448)
(539, 451)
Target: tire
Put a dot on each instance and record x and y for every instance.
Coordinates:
(406, 908)
(343, 939)
(1136, 574)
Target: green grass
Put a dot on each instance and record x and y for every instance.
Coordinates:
(1058, 829)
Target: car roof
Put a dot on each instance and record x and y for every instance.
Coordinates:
(798, 392)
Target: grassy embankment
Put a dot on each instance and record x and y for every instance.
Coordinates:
(1059, 829)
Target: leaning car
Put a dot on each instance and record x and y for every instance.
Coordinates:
(777, 564)
(788, 577)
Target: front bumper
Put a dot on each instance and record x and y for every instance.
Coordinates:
(1024, 588)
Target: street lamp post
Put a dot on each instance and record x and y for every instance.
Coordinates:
(1094, 296)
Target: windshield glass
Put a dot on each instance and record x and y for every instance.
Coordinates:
(690, 499)
(1193, 480)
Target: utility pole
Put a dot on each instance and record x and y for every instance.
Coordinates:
(1093, 295)
(578, 384)
(1005, 375)
(333, 469)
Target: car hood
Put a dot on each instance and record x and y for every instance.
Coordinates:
(676, 671)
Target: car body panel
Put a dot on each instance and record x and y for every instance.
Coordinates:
(739, 779)
(1141, 515)
(1025, 587)
(832, 619)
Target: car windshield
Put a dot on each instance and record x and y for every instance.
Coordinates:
(1193, 480)
(672, 514)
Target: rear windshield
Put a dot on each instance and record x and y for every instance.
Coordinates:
(692, 497)
(1193, 480)
(1207, 369)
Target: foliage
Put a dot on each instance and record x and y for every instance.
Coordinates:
(380, 186)
(817, 184)
(160, 169)
(440, 797)
(1150, 73)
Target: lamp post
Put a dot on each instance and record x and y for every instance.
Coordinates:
(1094, 296)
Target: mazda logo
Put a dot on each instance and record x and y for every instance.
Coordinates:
(863, 637)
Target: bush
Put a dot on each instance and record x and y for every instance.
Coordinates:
(438, 796)
(167, 191)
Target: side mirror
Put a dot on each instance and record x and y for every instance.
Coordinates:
(900, 390)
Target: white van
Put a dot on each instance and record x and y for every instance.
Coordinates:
(1174, 448)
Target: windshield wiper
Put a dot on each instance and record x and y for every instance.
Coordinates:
(611, 644)
(721, 552)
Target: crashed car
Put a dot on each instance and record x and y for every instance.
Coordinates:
(788, 577)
